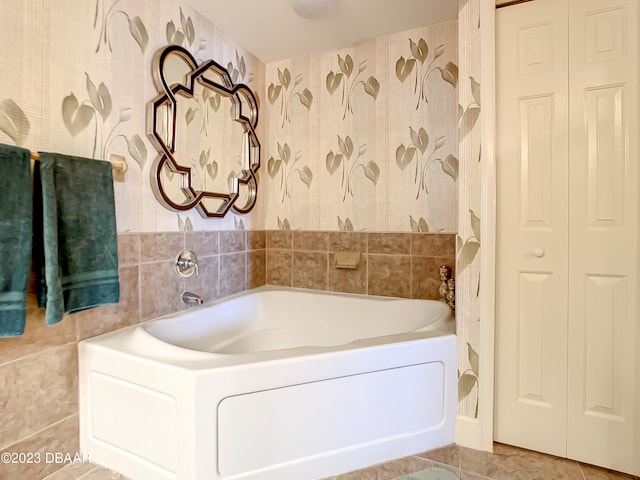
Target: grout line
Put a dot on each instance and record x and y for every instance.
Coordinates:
(45, 348)
(93, 468)
(86, 475)
(584, 475)
(411, 293)
(37, 432)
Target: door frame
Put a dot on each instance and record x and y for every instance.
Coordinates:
(488, 226)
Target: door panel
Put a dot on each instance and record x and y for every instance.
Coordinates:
(531, 323)
(567, 326)
(603, 233)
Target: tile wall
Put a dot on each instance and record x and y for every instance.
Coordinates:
(38, 371)
(391, 264)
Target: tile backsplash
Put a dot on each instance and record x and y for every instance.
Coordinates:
(38, 371)
(391, 264)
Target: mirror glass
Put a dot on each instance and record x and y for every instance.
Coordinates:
(203, 126)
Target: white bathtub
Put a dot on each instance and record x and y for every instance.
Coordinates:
(270, 384)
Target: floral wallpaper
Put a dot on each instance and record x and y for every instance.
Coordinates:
(468, 237)
(13, 121)
(364, 138)
(360, 138)
(81, 87)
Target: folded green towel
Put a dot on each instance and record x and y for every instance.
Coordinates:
(76, 252)
(15, 238)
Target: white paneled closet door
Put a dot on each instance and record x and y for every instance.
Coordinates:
(603, 232)
(568, 363)
(532, 244)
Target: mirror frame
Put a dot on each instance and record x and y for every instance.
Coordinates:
(242, 99)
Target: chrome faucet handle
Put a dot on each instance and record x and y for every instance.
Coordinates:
(186, 264)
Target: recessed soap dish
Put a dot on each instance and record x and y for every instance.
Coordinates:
(346, 260)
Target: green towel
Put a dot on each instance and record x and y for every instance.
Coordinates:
(76, 254)
(15, 238)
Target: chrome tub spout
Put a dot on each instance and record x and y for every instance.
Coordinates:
(191, 298)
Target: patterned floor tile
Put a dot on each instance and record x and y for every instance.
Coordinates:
(433, 473)
(511, 463)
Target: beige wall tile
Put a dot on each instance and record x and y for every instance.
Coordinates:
(202, 243)
(37, 335)
(390, 243)
(279, 267)
(128, 249)
(206, 284)
(256, 240)
(256, 268)
(160, 289)
(348, 281)
(434, 245)
(232, 241)
(347, 241)
(155, 247)
(233, 273)
(281, 239)
(61, 436)
(90, 323)
(310, 270)
(389, 275)
(315, 241)
(425, 276)
(37, 391)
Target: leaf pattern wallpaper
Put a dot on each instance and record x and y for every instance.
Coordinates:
(469, 221)
(98, 109)
(284, 92)
(105, 14)
(373, 160)
(350, 161)
(420, 150)
(415, 64)
(358, 144)
(81, 87)
(284, 167)
(14, 122)
(363, 138)
(347, 80)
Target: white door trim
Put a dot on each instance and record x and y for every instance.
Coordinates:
(488, 224)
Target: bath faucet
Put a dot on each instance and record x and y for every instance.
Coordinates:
(186, 264)
(189, 298)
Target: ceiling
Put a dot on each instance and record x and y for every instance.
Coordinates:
(272, 31)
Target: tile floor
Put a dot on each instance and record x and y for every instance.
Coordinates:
(505, 463)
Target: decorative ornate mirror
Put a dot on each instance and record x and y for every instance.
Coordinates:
(203, 126)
